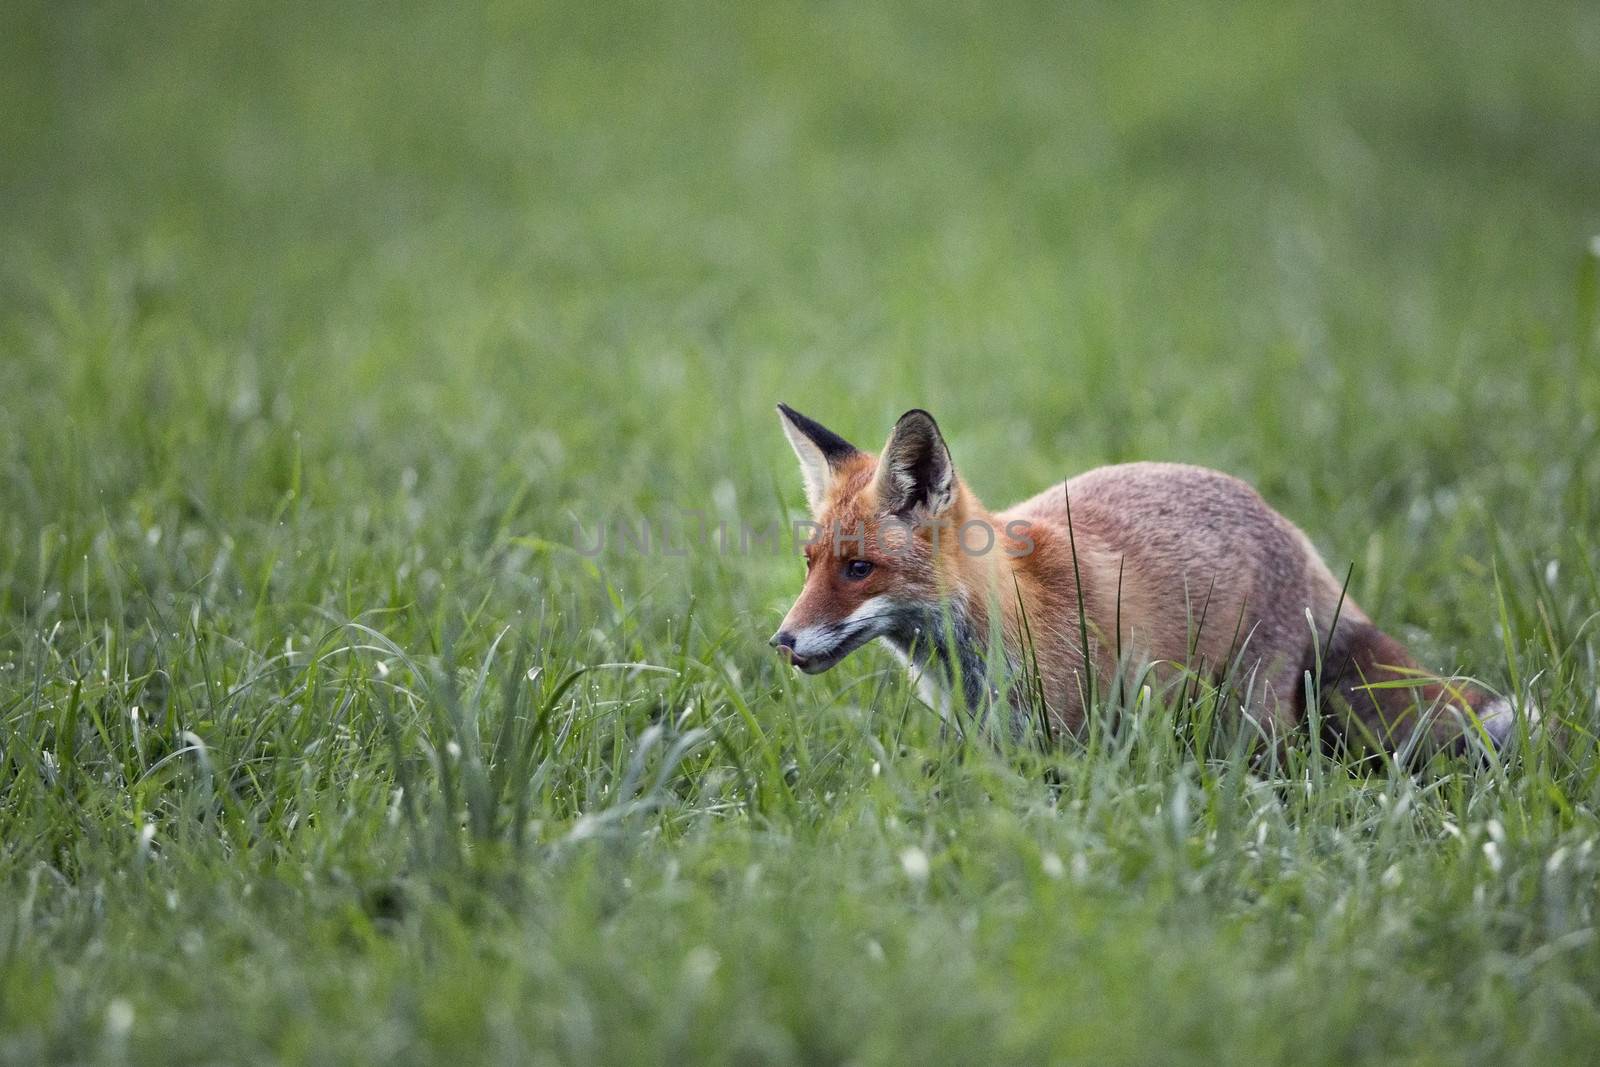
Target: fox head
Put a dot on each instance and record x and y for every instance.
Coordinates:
(885, 555)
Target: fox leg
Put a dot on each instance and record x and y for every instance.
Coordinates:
(1371, 687)
(1270, 699)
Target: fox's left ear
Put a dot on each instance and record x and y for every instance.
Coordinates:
(821, 452)
(915, 471)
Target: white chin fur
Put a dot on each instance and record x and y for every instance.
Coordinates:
(816, 641)
(822, 640)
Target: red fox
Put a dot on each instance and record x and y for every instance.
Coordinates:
(1173, 568)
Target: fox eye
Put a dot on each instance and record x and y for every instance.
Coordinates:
(857, 569)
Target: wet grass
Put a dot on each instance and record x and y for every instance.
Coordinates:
(330, 337)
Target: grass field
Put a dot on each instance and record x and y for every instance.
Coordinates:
(322, 325)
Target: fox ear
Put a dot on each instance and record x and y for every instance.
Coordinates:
(915, 471)
(821, 452)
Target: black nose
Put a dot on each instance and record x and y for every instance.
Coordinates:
(783, 641)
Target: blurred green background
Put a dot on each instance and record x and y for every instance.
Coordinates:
(312, 313)
(1337, 251)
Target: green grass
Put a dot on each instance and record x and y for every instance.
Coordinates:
(321, 324)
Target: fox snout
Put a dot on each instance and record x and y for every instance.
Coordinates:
(784, 642)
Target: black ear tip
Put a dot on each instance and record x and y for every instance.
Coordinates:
(917, 416)
(832, 445)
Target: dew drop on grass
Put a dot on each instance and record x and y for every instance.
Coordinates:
(914, 862)
(700, 966)
(119, 1017)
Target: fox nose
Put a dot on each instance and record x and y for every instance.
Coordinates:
(783, 641)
